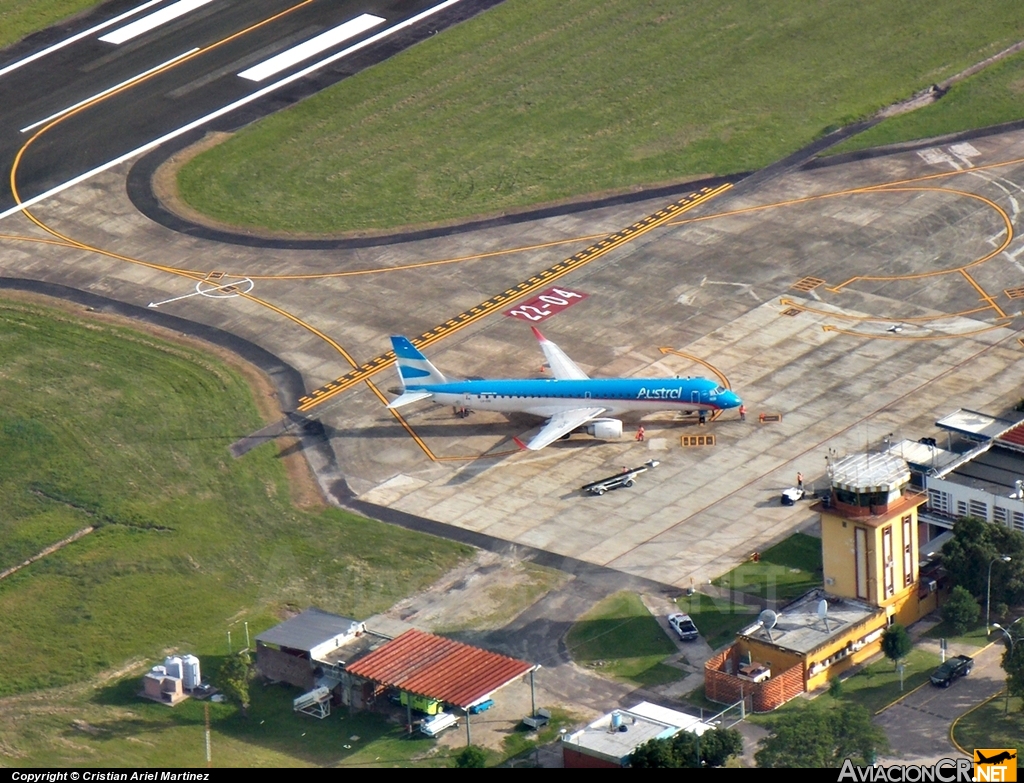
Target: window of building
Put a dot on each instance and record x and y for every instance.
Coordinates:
(888, 567)
(860, 546)
(908, 552)
(961, 508)
(979, 509)
(938, 501)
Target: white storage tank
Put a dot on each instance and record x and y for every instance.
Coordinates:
(190, 672)
(172, 663)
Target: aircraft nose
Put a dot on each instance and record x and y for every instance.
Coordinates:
(733, 401)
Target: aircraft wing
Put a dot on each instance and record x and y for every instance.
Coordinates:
(562, 367)
(562, 423)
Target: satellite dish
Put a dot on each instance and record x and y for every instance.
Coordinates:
(823, 613)
(767, 620)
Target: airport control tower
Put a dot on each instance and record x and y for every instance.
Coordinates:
(869, 537)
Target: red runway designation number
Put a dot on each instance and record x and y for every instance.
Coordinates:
(546, 304)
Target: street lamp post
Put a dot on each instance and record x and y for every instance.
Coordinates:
(988, 594)
(1010, 640)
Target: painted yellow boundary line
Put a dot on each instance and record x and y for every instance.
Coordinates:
(509, 295)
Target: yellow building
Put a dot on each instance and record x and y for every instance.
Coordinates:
(870, 560)
(869, 538)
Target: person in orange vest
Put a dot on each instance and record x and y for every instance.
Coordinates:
(640, 433)
(743, 412)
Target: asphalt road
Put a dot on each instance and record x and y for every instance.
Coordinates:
(157, 83)
(918, 726)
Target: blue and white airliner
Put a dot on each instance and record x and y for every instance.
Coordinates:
(569, 401)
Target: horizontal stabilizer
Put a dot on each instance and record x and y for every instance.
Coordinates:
(409, 397)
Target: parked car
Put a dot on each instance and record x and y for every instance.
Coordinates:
(683, 625)
(952, 669)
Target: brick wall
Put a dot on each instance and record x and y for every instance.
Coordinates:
(276, 665)
(724, 688)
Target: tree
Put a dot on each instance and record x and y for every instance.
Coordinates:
(471, 757)
(235, 674)
(821, 737)
(961, 610)
(680, 751)
(896, 643)
(1013, 665)
(974, 546)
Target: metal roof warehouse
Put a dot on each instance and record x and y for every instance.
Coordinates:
(439, 669)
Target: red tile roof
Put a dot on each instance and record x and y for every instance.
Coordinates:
(439, 668)
(1014, 436)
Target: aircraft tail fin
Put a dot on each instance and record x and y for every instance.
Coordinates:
(413, 367)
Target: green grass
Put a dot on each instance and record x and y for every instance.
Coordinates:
(619, 637)
(103, 425)
(718, 620)
(111, 725)
(18, 18)
(989, 727)
(994, 96)
(787, 570)
(537, 101)
(975, 635)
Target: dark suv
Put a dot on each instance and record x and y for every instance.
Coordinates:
(958, 666)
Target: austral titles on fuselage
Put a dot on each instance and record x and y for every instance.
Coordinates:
(615, 395)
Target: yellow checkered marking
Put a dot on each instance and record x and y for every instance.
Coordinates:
(807, 283)
(538, 281)
(697, 440)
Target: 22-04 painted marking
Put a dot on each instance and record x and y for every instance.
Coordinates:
(545, 305)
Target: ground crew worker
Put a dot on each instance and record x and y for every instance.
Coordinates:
(800, 480)
(743, 412)
(640, 433)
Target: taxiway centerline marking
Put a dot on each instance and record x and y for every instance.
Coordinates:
(808, 450)
(109, 90)
(535, 282)
(76, 37)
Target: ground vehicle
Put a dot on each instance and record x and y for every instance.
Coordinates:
(439, 723)
(792, 495)
(624, 479)
(683, 625)
(952, 669)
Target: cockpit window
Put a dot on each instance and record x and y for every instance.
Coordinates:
(720, 390)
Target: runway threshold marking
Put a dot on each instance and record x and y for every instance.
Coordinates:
(509, 295)
(76, 37)
(301, 74)
(153, 20)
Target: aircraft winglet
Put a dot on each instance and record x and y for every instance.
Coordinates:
(519, 443)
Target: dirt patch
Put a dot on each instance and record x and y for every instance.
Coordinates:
(484, 594)
(304, 489)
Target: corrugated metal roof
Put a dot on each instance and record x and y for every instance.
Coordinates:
(439, 668)
(308, 630)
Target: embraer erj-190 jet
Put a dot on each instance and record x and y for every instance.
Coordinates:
(569, 401)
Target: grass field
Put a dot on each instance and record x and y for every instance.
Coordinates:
(18, 18)
(536, 101)
(106, 426)
(717, 620)
(785, 571)
(990, 726)
(620, 638)
(994, 96)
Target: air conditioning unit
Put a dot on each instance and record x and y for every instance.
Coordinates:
(932, 585)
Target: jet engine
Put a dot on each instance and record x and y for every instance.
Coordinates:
(605, 429)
